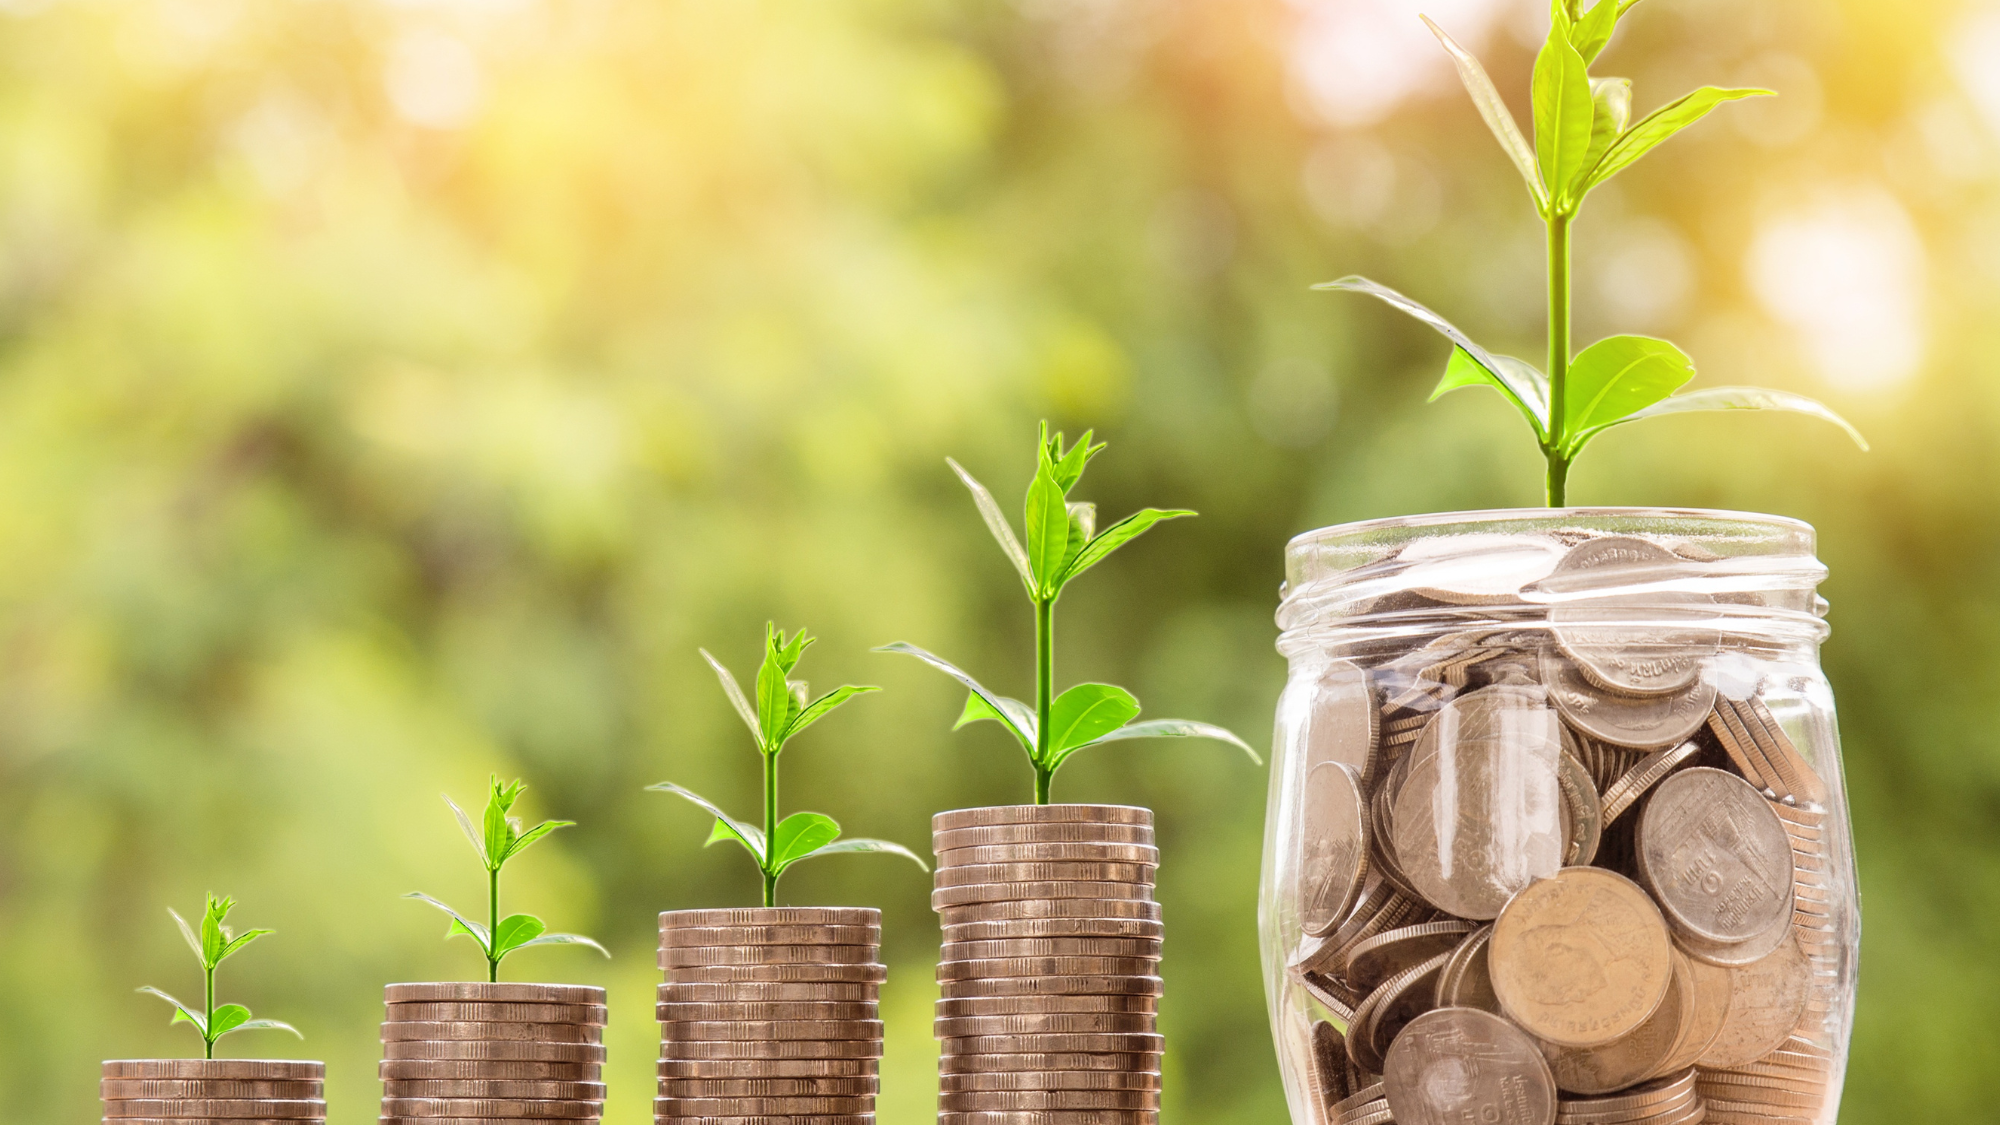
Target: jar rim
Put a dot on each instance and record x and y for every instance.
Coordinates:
(1427, 520)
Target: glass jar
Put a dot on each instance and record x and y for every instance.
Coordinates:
(1557, 822)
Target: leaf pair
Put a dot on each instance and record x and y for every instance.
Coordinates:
(1583, 129)
(499, 837)
(226, 1018)
(782, 710)
(516, 931)
(802, 835)
(1062, 540)
(1616, 380)
(1086, 715)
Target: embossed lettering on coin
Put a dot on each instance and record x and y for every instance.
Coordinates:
(1580, 959)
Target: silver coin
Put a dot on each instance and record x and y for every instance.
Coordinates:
(774, 1119)
(121, 1089)
(1052, 1080)
(1454, 1065)
(1026, 909)
(961, 1101)
(478, 1011)
(1715, 857)
(1106, 1044)
(1477, 822)
(435, 1030)
(1054, 928)
(487, 1107)
(1050, 1062)
(1382, 956)
(1040, 814)
(1055, 967)
(817, 1048)
(772, 916)
(1640, 722)
(497, 1049)
(768, 992)
(1037, 1005)
(1041, 834)
(492, 993)
(874, 973)
(263, 1109)
(744, 1030)
(1045, 1023)
(1043, 985)
(493, 1088)
(769, 1087)
(1050, 853)
(983, 893)
(674, 936)
(676, 956)
(1084, 871)
(857, 1067)
(1766, 1000)
(1051, 947)
(499, 1070)
(1583, 817)
(1625, 633)
(1333, 845)
(241, 1069)
(667, 1011)
(674, 1107)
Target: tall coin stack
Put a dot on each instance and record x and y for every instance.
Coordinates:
(211, 1090)
(770, 1016)
(460, 1052)
(1050, 968)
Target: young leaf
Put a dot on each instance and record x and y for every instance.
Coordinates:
(1001, 713)
(213, 937)
(267, 1025)
(522, 841)
(1590, 34)
(996, 522)
(1506, 379)
(1654, 128)
(500, 830)
(228, 1018)
(1619, 375)
(239, 941)
(1082, 525)
(823, 706)
(1019, 720)
(735, 694)
(563, 939)
(863, 845)
(800, 835)
(1610, 113)
(774, 695)
(1117, 535)
(471, 833)
(187, 932)
(1048, 531)
(1179, 728)
(1067, 468)
(1562, 113)
(1464, 371)
(515, 931)
(1733, 398)
(1086, 713)
(1495, 112)
(181, 1011)
(460, 924)
(749, 835)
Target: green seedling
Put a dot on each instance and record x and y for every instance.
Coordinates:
(212, 946)
(781, 713)
(1061, 543)
(498, 839)
(1584, 135)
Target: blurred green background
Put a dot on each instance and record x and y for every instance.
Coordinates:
(394, 391)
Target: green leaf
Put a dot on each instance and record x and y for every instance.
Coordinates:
(228, 1017)
(564, 939)
(181, 1011)
(239, 941)
(1179, 728)
(515, 931)
(1732, 398)
(863, 845)
(735, 694)
(522, 841)
(1592, 33)
(213, 937)
(1019, 719)
(726, 826)
(996, 523)
(1610, 113)
(460, 924)
(1086, 713)
(266, 1025)
(1494, 111)
(1462, 370)
(774, 694)
(500, 831)
(1001, 713)
(798, 836)
(1619, 375)
(1654, 128)
(471, 833)
(823, 706)
(1117, 535)
(1562, 114)
(1048, 531)
(1067, 467)
(1508, 379)
(187, 932)
(1082, 525)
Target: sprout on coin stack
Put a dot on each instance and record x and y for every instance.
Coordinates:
(460, 1051)
(772, 1014)
(208, 1088)
(1050, 968)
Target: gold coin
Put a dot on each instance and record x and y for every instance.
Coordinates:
(765, 992)
(702, 956)
(1121, 1044)
(1041, 834)
(1021, 910)
(487, 1107)
(482, 991)
(1052, 1080)
(1463, 1065)
(989, 986)
(769, 1087)
(1082, 871)
(774, 1049)
(1054, 928)
(120, 1089)
(214, 1068)
(860, 1066)
(668, 1011)
(1036, 1005)
(745, 1030)
(496, 1049)
(264, 1109)
(1581, 959)
(459, 1011)
(1050, 967)
(438, 1030)
(772, 916)
(1634, 1057)
(1040, 814)
(491, 1088)
(1703, 1022)
(1050, 1062)
(676, 936)
(676, 1107)
(1766, 1000)
(1059, 852)
(506, 1070)
(1050, 947)
(874, 973)
(982, 893)
(963, 1101)
(1045, 1023)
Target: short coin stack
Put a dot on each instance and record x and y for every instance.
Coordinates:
(140, 1091)
(1050, 968)
(770, 1015)
(460, 1052)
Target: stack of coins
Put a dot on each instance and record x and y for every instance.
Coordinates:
(1050, 968)
(770, 1015)
(137, 1091)
(464, 1051)
(1573, 842)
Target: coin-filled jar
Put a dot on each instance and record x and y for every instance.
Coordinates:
(1557, 830)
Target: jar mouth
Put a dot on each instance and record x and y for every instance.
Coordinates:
(1639, 570)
